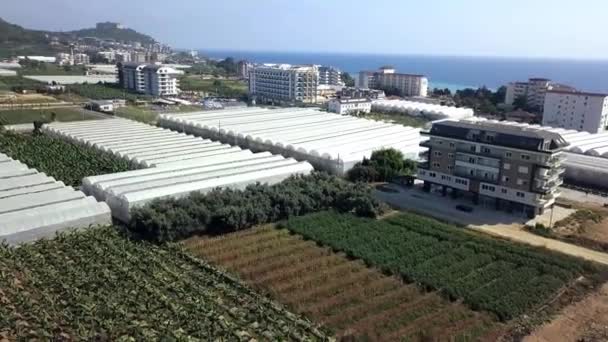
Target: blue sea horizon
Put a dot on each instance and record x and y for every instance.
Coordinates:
(452, 72)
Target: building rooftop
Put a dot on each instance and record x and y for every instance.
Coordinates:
(524, 138)
(575, 92)
(353, 100)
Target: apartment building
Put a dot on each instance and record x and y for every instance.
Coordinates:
(533, 91)
(330, 76)
(151, 79)
(284, 83)
(349, 106)
(502, 166)
(243, 67)
(580, 111)
(386, 77)
(81, 58)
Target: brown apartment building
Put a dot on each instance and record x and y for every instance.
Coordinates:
(508, 167)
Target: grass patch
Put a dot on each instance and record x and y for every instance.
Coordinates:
(105, 92)
(141, 114)
(21, 116)
(222, 88)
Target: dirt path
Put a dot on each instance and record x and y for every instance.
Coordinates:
(586, 320)
(515, 233)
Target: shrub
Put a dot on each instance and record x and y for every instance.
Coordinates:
(223, 210)
(383, 165)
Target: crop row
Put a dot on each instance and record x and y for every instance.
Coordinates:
(62, 160)
(506, 279)
(97, 285)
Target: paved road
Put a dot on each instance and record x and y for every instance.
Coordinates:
(489, 221)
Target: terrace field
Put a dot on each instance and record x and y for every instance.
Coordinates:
(503, 278)
(347, 297)
(99, 286)
(60, 159)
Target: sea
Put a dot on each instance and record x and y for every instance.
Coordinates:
(448, 72)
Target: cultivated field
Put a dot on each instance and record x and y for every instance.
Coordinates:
(346, 296)
(62, 160)
(504, 278)
(98, 286)
(21, 116)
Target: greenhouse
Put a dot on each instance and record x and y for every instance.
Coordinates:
(172, 164)
(34, 205)
(330, 142)
(428, 110)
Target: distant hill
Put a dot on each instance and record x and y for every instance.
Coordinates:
(118, 34)
(15, 39)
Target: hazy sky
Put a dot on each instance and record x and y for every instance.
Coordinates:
(533, 28)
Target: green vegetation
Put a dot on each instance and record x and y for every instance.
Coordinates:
(121, 35)
(105, 92)
(482, 100)
(348, 80)
(225, 67)
(504, 278)
(216, 87)
(398, 118)
(141, 114)
(17, 83)
(95, 285)
(383, 165)
(226, 210)
(29, 67)
(62, 160)
(21, 116)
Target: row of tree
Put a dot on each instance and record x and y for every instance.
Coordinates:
(224, 210)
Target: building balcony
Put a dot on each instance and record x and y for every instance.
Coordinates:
(426, 143)
(548, 187)
(553, 161)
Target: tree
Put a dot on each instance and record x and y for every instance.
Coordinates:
(347, 79)
(520, 102)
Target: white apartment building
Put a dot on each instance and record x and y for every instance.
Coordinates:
(408, 84)
(284, 83)
(81, 58)
(534, 91)
(579, 111)
(152, 79)
(330, 76)
(350, 106)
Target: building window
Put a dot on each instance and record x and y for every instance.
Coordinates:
(432, 174)
(520, 181)
(486, 150)
(450, 167)
(523, 169)
(471, 160)
(451, 155)
(452, 145)
(437, 153)
(525, 157)
(505, 178)
(507, 166)
(504, 191)
(521, 194)
(473, 148)
(508, 154)
(436, 165)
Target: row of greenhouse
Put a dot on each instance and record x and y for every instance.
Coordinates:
(34, 205)
(330, 142)
(428, 110)
(174, 164)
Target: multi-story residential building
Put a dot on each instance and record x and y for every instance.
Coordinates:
(503, 166)
(352, 92)
(533, 91)
(330, 76)
(152, 79)
(139, 57)
(284, 83)
(386, 77)
(350, 106)
(63, 58)
(81, 58)
(580, 111)
(123, 57)
(243, 68)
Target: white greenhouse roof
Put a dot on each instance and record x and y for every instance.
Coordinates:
(33, 205)
(174, 164)
(330, 142)
(595, 145)
(69, 79)
(414, 108)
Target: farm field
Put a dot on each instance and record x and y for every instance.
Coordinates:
(504, 278)
(60, 159)
(347, 297)
(219, 87)
(98, 285)
(21, 116)
(150, 115)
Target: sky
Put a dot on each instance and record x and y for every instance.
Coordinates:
(513, 28)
